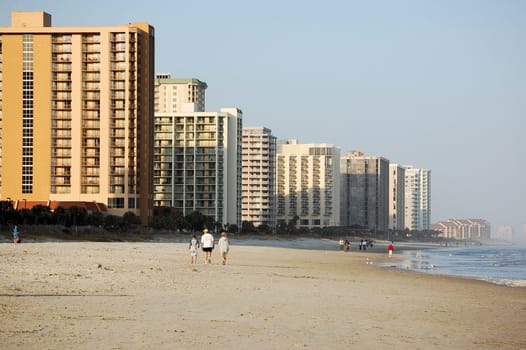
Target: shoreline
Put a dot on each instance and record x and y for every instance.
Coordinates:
(496, 264)
(402, 252)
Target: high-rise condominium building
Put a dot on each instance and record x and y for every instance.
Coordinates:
(417, 198)
(396, 197)
(197, 163)
(504, 233)
(76, 108)
(258, 178)
(179, 95)
(308, 184)
(364, 191)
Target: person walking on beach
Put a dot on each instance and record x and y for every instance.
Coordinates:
(193, 246)
(207, 245)
(16, 235)
(224, 247)
(390, 249)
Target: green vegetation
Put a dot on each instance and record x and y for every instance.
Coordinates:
(76, 223)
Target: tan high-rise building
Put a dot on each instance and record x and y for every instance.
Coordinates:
(76, 113)
(258, 179)
(179, 95)
(307, 184)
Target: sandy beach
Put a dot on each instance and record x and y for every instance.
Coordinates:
(84, 295)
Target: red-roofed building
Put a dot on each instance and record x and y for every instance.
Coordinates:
(89, 206)
(463, 228)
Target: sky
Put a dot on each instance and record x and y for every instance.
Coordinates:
(439, 85)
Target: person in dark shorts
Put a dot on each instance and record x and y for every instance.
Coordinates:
(207, 245)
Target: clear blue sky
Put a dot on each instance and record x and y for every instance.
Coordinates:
(434, 84)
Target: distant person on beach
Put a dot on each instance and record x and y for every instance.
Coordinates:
(347, 245)
(207, 245)
(16, 235)
(390, 249)
(224, 247)
(193, 247)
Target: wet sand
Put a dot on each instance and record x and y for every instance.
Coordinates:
(86, 295)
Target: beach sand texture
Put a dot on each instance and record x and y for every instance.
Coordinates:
(85, 295)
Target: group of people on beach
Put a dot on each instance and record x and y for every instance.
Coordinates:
(207, 245)
(345, 245)
(362, 245)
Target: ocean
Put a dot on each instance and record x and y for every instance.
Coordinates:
(497, 264)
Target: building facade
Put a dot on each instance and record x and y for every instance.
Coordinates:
(197, 163)
(463, 229)
(504, 233)
(417, 198)
(258, 177)
(307, 184)
(396, 197)
(178, 95)
(364, 191)
(76, 113)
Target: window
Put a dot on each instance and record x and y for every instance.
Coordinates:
(27, 114)
(115, 202)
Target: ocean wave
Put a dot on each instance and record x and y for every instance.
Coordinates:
(499, 265)
(508, 282)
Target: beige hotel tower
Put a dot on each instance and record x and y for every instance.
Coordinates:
(76, 114)
(307, 184)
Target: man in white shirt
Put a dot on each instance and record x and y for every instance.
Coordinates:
(207, 244)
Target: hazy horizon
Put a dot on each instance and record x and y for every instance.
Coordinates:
(439, 85)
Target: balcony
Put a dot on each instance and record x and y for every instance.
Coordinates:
(91, 77)
(61, 67)
(61, 39)
(118, 66)
(90, 161)
(61, 76)
(118, 47)
(90, 105)
(90, 95)
(91, 67)
(61, 152)
(118, 37)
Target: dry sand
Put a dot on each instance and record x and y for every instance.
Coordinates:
(147, 296)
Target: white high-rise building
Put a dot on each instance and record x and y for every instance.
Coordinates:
(396, 197)
(197, 163)
(178, 95)
(258, 177)
(364, 191)
(417, 198)
(504, 233)
(308, 184)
